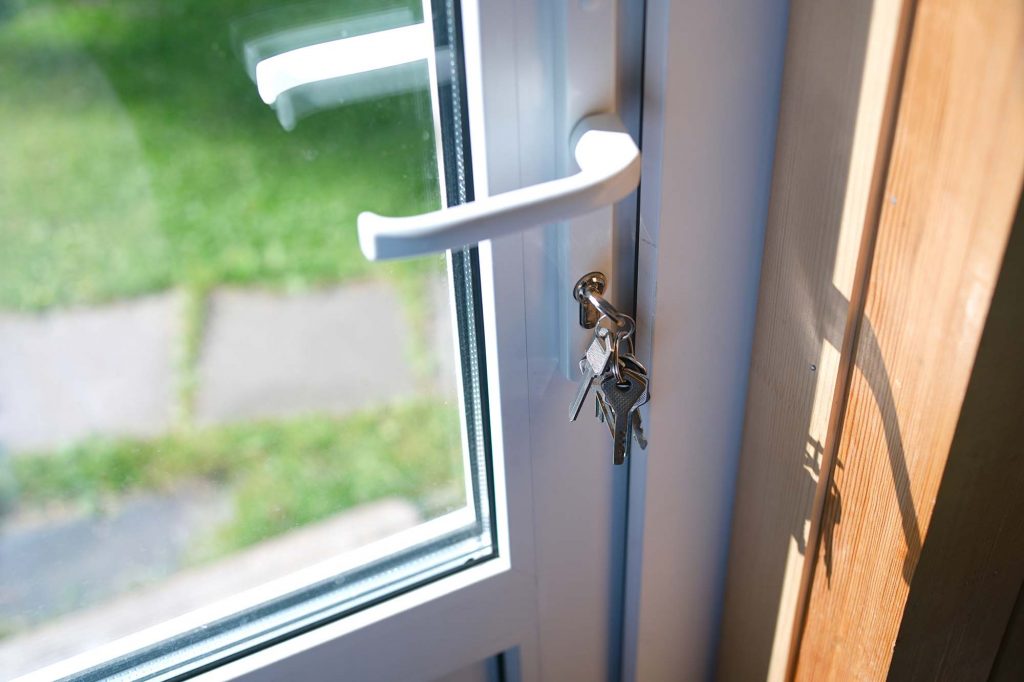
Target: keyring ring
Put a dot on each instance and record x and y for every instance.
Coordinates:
(602, 306)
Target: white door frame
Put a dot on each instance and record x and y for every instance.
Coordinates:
(713, 73)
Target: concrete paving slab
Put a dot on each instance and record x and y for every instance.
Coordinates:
(333, 350)
(69, 374)
(63, 562)
(200, 587)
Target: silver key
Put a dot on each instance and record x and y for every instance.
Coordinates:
(627, 362)
(622, 399)
(599, 351)
(592, 365)
(630, 363)
(604, 413)
(637, 428)
(633, 364)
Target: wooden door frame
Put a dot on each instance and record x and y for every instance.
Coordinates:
(833, 195)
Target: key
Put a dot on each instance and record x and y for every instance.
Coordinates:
(638, 429)
(592, 365)
(603, 413)
(627, 362)
(632, 365)
(636, 421)
(622, 399)
(599, 351)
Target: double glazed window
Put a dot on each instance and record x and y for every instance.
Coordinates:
(220, 426)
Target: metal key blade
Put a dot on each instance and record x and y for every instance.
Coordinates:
(622, 399)
(586, 381)
(592, 365)
(638, 429)
(638, 372)
(605, 413)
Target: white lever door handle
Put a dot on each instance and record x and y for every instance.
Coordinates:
(609, 164)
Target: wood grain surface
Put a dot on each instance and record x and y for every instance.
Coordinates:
(839, 59)
(972, 564)
(950, 193)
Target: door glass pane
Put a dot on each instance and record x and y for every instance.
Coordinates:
(220, 425)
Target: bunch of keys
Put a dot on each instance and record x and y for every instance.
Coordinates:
(619, 379)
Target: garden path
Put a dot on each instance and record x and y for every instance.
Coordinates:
(114, 370)
(70, 373)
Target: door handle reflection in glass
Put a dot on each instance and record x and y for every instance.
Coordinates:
(609, 163)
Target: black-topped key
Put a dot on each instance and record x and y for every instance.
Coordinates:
(622, 399)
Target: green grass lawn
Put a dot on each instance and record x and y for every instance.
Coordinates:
(280, 474)
(137, 156)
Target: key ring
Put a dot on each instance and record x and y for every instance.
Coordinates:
(623, 330)
(606, 309)
(618, 357)
(619, 335)
(615, 359)
(632, 359)
(624, 325)
(587, 292)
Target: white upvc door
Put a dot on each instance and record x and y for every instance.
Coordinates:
(550, 603)
(563, 599)
(550, 600)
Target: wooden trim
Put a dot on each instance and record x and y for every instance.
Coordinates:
(952, 187)
(972, 564)
(835, 99)
(855, 315)
(842, 86)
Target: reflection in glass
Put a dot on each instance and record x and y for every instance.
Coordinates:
(205, 391)
(328, 64)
